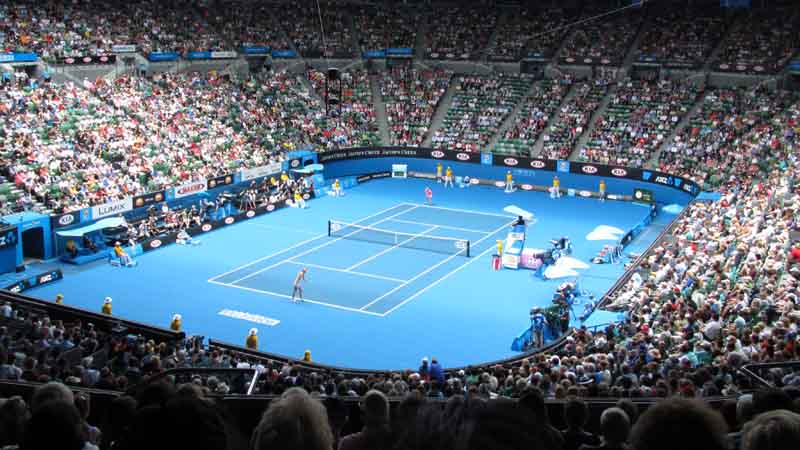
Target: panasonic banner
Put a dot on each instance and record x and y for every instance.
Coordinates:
(112, 208)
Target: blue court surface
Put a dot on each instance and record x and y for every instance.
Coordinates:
(390, 284)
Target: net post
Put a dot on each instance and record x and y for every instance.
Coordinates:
(329, 228)
(467, 248)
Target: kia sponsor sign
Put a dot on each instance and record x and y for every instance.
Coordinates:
(591, 170)
(112, 208)
(65, 220)
(619, 172)
(195, 187)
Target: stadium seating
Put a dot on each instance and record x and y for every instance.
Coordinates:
(411, 97)
(573, 118)
(532, 118)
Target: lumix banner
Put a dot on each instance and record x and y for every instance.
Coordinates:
(160, 241)
(515, 162)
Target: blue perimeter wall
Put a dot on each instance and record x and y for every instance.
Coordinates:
(355, 167)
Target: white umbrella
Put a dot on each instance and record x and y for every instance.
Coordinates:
(553, 272)
(568, 262)
(602, 236)
(609, 229)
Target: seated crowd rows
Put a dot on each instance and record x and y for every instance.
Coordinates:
(411, 97)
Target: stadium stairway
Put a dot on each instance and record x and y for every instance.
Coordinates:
(441, 111)
(736, 23)
(419, 42)
(380, 110)
(687, 118)
(537, 147)
(633, 50)
(598, 113)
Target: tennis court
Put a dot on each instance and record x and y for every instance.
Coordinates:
(378, 263)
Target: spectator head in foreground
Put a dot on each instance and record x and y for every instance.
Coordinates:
(54, 424)
(614, 427)
(774, 430)
(679, 423)
(183, 422)
(500, 424)
(375, 408)
(293, 422)
(52, 391)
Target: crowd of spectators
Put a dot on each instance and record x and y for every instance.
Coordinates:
(301, 21)
(682, 38)
(529, 33)
(733, 126)
(573, 118)
(533, 116)
(601, 41)
(411, 97)
(352, 123)
(380, 28)
(762, 43)
(480, 105)
(459, 33)
(639, 118)
(242, 24)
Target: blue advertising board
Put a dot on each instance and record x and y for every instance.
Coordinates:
(284, 54)
(255, 50)
(18, 57)
(162, 56)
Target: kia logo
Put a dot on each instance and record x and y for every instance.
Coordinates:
(585, 194)
(462, 156)
(510, 162)
(474, 181)
(618, 172)
(87, 59)
(69, 61)
(104, 58)
(155, 243)
(66, 220)
(250, 213)
(306, 196)
(295, 163)
(527, 187)
(500, 184)
(228, 220)
(206, 227)
(589, 169)
(270, 208)
(537, 164)
(437, 154)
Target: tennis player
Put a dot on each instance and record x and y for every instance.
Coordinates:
(448, 177)
(429, 195)
(439, 172)
(555, 191)
(298, 284)
(602, 190)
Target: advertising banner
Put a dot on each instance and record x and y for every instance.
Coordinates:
(198, 55)
(224, 54)
(398, 152)
(194, 187)
(223, 180)
(123, 48)
(65, 220)
(162, 56)
(82, 60)
(112, 208)
(399, 52)
(149, 199)
(373, 54)
(262, 171)
(37, 280)
(18, 57)
(256, 50)
(284, 54)
(587, 61)
(8, 236)
(739, 68)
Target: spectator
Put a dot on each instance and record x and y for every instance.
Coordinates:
(55, 424)
(779, 429)
(614, 429)
(376, 433)
(679, 423)
(293, 422)
(576, 413)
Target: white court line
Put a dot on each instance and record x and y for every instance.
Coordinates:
(446, 276)
(277, 228)
(506, 225)
(467, 211)
(294, 246)
(448, 227)
(383, 252)
(335, 269)
(323, 245)
(316, 302)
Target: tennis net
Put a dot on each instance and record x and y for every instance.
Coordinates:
(424, 242)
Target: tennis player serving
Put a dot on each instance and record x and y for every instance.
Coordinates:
(298, 284)
(429, 195)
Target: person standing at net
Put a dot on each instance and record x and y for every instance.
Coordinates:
(602, 190)
(509, 182)
(429, 195)
(297, 292)
(438, 172)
